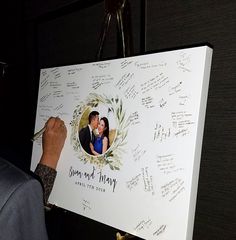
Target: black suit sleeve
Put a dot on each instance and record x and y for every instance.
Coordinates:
(85, 139)
(21, 205)
(82, 137)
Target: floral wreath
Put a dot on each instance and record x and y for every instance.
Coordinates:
(113, 153)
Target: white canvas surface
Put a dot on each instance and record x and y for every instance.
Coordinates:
(146, 182)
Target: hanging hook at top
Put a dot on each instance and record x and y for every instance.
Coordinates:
(118, 9)
(112, 6)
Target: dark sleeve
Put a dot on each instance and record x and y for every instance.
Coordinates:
(22, 216)
(85, 139)
(82, 136)
(47, 176)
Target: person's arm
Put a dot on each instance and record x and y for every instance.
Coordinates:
(52, 143)
(22, 216)
(92, 150)
(82, 137)
(46, 175)
(21, 204)
(104, 144)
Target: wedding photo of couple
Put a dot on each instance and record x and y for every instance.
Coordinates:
(95, 143)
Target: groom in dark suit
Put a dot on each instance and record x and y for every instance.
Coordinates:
(86, 135)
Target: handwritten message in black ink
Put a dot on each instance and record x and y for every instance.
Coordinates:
(45, 79)
(125, 79)
(134, 118)
(181, 120)
(72, 85)
(147, 180)
(55, 85)
(56, 73)
(156, 82)
(175, 88)
(98, 81)
(102, 65)
(58, 107)
(73, 71)
(44, 116)
(183, 100)
(166, 164)
(161, 133)
(86, 205)
(143, 224)
(138, 153)
(182, 132)
(131, 92)
(162, 103)
(44, 73)
(45, 97)
(172, 189)
(184, 62)
(160, 230)
(133, 182)
(146, 65)
(125, 63)
(46, 108)
(148, 102)
(58, 94)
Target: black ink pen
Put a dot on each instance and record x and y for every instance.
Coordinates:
(38, 134)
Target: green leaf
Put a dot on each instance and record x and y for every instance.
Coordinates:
(111, 167)
(117, 113)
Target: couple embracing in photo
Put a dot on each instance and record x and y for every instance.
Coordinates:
(91, 143)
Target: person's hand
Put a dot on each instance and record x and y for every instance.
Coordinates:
(91, 147)
(53, 141)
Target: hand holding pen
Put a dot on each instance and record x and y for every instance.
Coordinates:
(38, 134)
(54, 134)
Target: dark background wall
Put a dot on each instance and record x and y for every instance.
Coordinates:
(15, 119)
(37, 34)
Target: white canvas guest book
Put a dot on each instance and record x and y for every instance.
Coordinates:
(145, 183)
